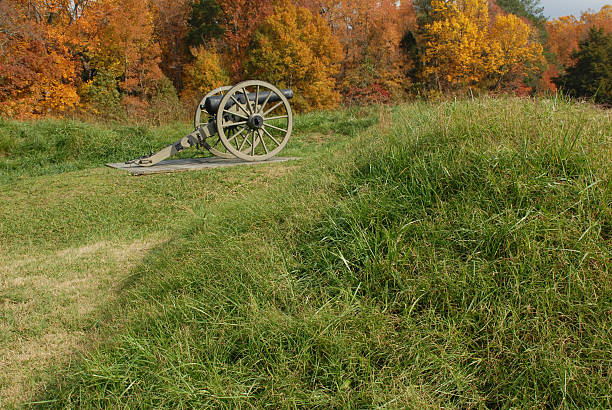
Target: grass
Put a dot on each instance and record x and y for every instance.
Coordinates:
(453, 255)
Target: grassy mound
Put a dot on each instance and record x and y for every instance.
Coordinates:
(455, 255)
(54, 146)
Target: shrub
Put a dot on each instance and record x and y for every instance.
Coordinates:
(591, 76)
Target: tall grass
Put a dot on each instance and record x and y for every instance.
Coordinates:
(54, 146)
(459, 258)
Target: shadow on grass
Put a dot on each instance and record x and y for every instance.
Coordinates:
(433, 270)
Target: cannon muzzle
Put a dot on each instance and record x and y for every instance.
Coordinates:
(212, 103)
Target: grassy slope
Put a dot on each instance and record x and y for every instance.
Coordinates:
(455, 255)
(72, 231)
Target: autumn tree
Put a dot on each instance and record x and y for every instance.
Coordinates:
(564, 36)
(464, 47)
(566, 33)
(373, 66)
(602, 19)
(294, 48)
(591, 76)
(204, 74)
(170, 22)
(456, 47)
(382, 66)
(513, 53)
(239, 20)
(119, 41)
(38, 73)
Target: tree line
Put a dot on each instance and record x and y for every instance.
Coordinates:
(144, 58)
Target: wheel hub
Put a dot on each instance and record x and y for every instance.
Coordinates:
(256, 121)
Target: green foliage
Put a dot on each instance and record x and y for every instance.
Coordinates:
(204, 22)
(101, 95)
(423, 10)
(530, 9)
(591, 76)
(411, 50)
(164, 104)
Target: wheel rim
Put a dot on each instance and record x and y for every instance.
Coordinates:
(263, 128)
(201, 119)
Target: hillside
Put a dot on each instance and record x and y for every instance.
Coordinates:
(425, 255)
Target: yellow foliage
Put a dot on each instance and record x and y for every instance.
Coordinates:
(205, 73)
(465, 47)
(457, 46)
(294, 48)
(512, 53)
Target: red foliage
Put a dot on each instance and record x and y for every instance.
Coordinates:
(374, 94)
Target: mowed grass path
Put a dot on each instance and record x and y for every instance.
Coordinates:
(452, 255)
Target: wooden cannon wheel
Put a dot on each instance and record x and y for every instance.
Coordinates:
(201, 119)
(249, 126)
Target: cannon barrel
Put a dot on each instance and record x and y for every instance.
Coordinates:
(212, 103)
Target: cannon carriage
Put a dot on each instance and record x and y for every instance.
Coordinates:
(251, 121)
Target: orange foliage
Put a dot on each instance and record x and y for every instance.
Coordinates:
(294, 48)
(60, 55)
(170, 27)
(124, 44)
(373, 66)
(566, 33)
(38, 74)
(240, 20)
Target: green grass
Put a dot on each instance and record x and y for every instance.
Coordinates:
(55, 146)
(453, 255)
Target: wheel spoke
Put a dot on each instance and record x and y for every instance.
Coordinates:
(253, 144)
(236, 134)
(271, 109)
(266, 101)
(276, 128)
(242, 145)
(240, 115)
(270, 135)
(232, 124)
(246, 101)
(277, 117)
(262, 141)
(240, 106)
(256, 99)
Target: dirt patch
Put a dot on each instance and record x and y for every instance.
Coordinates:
(318, 138)
(48, 304)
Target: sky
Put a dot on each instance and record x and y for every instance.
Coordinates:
(557, 8)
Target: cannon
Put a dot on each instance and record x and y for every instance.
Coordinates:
(251, 121)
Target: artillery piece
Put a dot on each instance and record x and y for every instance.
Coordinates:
(240, 121)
